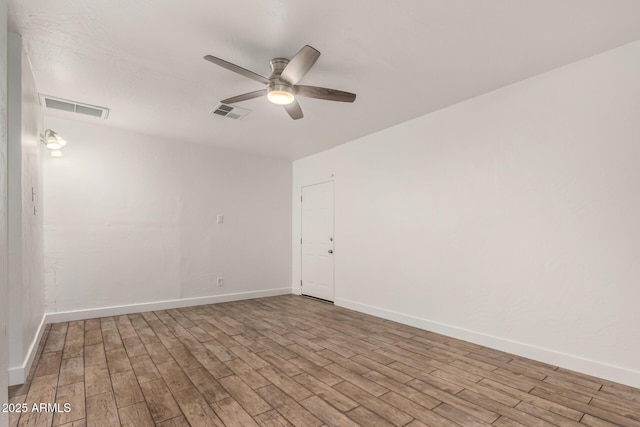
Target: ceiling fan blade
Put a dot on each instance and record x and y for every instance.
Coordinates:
(299, 65)
(245, 96)
(236, 69)
(294, 110)
(325, 93)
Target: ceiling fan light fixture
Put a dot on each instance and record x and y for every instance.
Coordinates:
(280, 94)
(282, 86)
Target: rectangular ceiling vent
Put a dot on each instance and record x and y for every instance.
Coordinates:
(73, 106)
(230, 111)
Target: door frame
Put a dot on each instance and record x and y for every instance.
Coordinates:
(333, 272)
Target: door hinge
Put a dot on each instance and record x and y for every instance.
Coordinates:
(300, 282)
(301, 240)
(300, 199)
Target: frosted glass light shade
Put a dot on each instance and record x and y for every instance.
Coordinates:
(56, 144)
(280, 97)
(53, 141)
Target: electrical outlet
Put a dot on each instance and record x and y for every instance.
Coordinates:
(220, 282)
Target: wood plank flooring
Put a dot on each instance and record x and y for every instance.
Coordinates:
(291, 360)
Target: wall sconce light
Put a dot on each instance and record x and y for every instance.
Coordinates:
(53, 142)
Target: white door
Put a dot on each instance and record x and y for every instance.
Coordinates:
(317, 240)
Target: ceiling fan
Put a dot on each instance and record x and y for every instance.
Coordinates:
(282, 86)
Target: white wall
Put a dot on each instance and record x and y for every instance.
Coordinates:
(4, 293)
(14, 194)
(32, 225)
(510, 220)
(131, 219)
(26, 272)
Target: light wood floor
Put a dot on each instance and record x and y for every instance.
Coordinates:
(291, 360)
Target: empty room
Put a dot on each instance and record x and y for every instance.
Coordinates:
(297, 213)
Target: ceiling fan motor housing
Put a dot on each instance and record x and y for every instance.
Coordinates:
(277, 66)
(278, 91)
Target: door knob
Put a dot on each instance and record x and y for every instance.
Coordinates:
(330, 251)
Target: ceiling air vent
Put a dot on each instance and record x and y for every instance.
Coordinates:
(230, 111)
(73, 106)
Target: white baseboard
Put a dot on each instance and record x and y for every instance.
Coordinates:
(18, 374)
(552, 357)
(68, 316)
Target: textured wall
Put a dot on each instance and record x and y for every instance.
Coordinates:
(510, 219)
(132, 219)
(14, 195)
(4, 293)
(32, 224)
(26, 273)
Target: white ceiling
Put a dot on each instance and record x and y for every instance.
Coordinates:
(143, 59)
